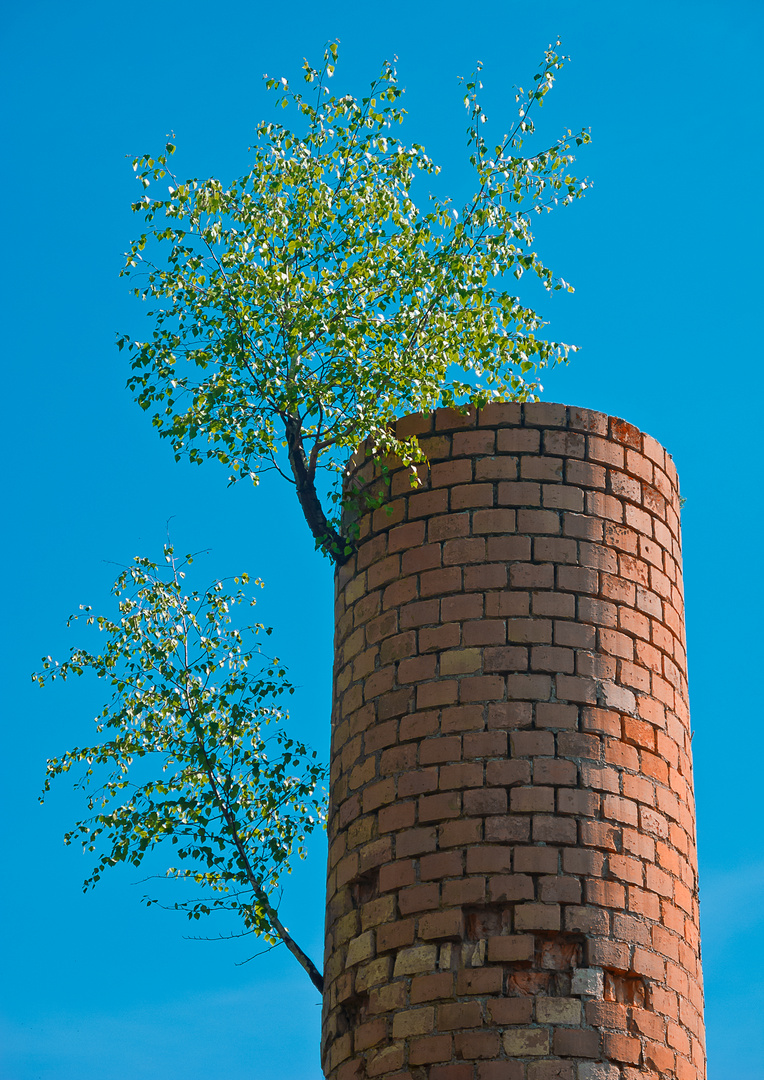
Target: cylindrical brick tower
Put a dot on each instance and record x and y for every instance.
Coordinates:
(512, 883)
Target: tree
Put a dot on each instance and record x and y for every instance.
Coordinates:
(308, 304)
(227, 787)
(297, 312)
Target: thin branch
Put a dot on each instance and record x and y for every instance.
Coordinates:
(263, 952)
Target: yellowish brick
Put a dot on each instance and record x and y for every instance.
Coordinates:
(473, 953)
(526, 1042)
(553, 1010)
(414, 1022)
(378, 911)
(361, 830)
(373, 973)
(341, 1049)
(459, 661)
(360, 948)
(416, 959)
(385, 1060)
(346, 928)
(446, 953)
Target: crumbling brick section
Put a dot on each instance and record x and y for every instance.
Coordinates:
(512, 882)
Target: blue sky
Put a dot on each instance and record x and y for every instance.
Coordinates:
(664, 254)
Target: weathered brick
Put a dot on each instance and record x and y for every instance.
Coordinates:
(524, 1042)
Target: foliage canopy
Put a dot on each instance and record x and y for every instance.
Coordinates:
(308, 304)
(217, 777)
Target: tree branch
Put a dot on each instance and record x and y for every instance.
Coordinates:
(324, 532)
(301, 957)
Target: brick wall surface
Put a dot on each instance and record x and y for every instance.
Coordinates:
(512, 881)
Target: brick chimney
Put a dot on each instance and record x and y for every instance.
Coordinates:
(512, 882)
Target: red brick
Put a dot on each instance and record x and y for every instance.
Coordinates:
(472, 1045)
(496, 468)
(537, 521)
(456, 833)
(441, 924)
(400, 815)
(461, 775)
(516, 440)
(555, 604)
(511, 1010)
(532, 800)
(529, 687)
(603, 451)
(481, 688)
(485, 801)
(507, 772)
(447, 526)
(556, 715)
(551, 658)
(537, 917)
(430, 987)
(429, 1049)
(415, 842)
(560, 890)
(436, 582)
(587, 920)
(551, 829)
(410, 535)
(508, 658)
(519, 493)
(510, 715)
(445, 473)
(608, 954)
(538, 860)
(622, 1048)
(562, 497)
(490, 859)
(494, 521)
(504, 888)
(439, 807)
(530, 630)
(466, 891)
(417, 669)
(369, 1034)
(507, 829)
(501, 1070)
(551, 1070)
(462, 1014)
(544, 414)
(478, 981)
(442, 748)
(465, 496)
(395, 935)
(426, 557)
(419, 898)
(456, 608)
(484, 632)
(581, 803)
(430, 695)
(659, 1057)
(584, 473)
(462, 718)
(531, 576)
(460, 1071)
(541, 468)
